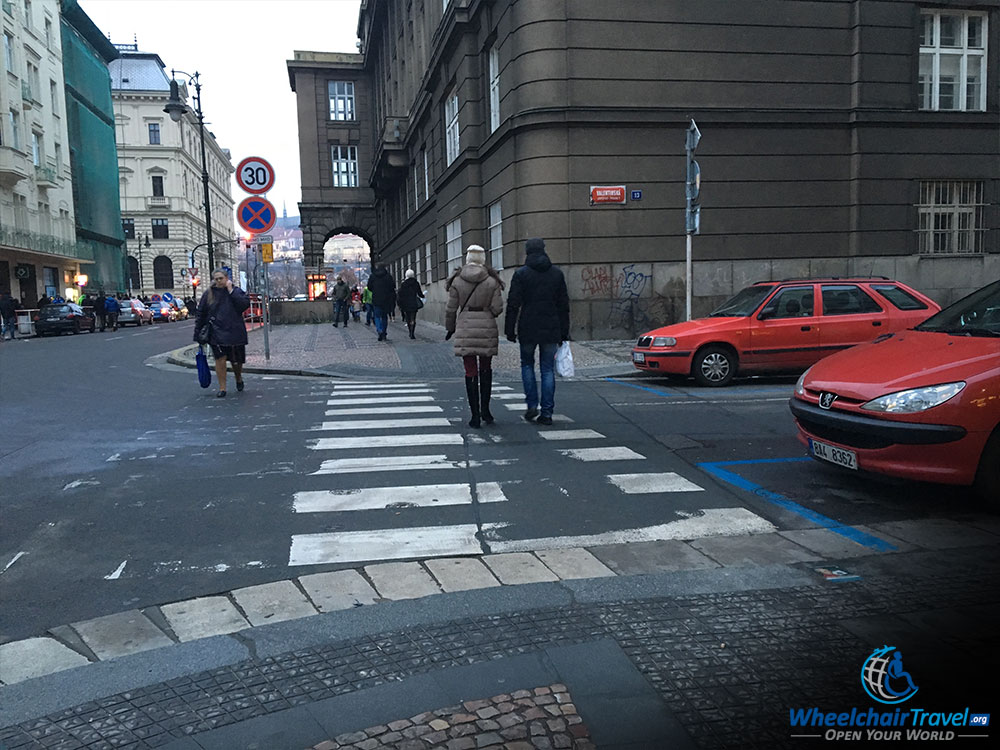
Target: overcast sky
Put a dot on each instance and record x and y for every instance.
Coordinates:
(240, 48)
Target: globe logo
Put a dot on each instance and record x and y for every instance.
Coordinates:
(883, 676)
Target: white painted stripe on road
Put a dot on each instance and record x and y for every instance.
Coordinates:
(113, 338)
(641, 484)
(502, 388)
(379, 400)
(416, 496)
(611, 453)
(117, 572)
(393, 392)
(387, 463)
(710, 522)
(13, 560)
(385, 441)
(509, 396)
(569, 434)
(385, 410)
(386, 424)
(521, 407)
(379, 387)
(386, 544)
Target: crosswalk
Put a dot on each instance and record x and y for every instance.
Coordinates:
(396, 475)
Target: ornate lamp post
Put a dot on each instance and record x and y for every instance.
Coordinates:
(177, 109)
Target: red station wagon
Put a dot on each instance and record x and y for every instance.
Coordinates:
(781, 325)
(922, 404)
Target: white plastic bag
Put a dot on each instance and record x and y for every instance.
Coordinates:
(564, 361)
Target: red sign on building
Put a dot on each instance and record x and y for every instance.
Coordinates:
(607, 194)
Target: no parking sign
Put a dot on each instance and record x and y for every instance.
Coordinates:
(256, 214)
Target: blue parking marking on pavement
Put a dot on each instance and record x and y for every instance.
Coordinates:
(849, 532)
(640, 387)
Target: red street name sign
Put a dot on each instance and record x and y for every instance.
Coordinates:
(607, 194)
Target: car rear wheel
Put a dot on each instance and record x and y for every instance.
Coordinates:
(714, 366)
(93, 326)
(987, 484)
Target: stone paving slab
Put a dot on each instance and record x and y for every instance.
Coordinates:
(120, 634)
(573, 562)
(759, 549)
(833, 546)
(518, 567)
(405, 580)
(203, 617)
(636, 558)
(341, 589)
(937, 533)
(461, 574)
(273, 602)
(35, 657)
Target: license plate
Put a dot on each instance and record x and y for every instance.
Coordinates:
(638, 357)
(839, 456)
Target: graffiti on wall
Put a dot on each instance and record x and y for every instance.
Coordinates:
(635, 305)
(597, 281)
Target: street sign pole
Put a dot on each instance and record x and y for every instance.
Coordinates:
(692, 224)
(267, 318)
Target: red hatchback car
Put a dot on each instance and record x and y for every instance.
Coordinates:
(922, 404)
(781, 325)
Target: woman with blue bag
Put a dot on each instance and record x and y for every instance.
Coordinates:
(220, 325)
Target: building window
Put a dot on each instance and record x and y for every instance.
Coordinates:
(163, 272)
(951, 217)
(428, 270)
(157, 185)
(161, 229)
(128, 227)
(54, 96)
(416, 184)
(344, 166)
(342, 100)
(427, 175)
(154, 134)
(8, 52)
(48, 33)
(15, 129)
(453, 244)
(496, 236)
(494, 88)
(952, 61)
(451, 128)
(133, 273)
(59, 159)
(28, 15)
(36, 149)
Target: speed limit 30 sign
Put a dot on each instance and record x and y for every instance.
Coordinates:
(255, 175)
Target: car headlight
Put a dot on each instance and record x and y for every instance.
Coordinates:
(915, 399)
(800, 388)
(664, 341)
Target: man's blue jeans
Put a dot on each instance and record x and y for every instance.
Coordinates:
(369, 312)
(547, 366)
(381, 319)
(340, 308)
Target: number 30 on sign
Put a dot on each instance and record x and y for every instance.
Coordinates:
(255, 175)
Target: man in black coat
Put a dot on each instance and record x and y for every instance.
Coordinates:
(538, 316)
(8, 315)
(383, 288)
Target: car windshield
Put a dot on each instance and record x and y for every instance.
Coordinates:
(975, 315)
(57, 309)
(744, 303)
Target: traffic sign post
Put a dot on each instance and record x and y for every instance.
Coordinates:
(692, 216)
(255, 175)
(256, 214)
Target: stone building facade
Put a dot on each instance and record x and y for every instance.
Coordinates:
(839, 137)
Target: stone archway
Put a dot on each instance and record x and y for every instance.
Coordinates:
(320, 223)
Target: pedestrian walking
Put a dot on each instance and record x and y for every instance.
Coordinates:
(538, 318)
(356, 304)
(341, 296)
(474, 304)
(99, 313)
(383, 288)
(111, 310)
(8, 316)
(221, 309)
(411, 298)
(366, 303)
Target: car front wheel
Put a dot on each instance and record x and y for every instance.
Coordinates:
(714, 366)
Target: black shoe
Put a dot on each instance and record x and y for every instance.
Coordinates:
(472, 391)
(530, 415)
(544, 419)
(239, 385)
(485, 393)
(335, 325)
(220, 394)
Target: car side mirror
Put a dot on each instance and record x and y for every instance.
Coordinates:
(765, 314)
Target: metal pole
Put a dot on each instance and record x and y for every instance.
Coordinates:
(267, 318)
(204, 175)
(687, 277)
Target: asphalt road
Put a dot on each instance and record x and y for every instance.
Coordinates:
(126, 485)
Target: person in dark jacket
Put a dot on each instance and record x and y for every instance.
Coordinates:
(383, 288)
(8, 315)
(409, 294)
(222, 305)
(341, 296)
(538, 317)
(111, 309)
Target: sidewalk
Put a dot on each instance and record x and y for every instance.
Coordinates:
(354, 351)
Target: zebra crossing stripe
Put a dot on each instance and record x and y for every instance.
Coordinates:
(387, 392)
(416, 496)
(508, 396)
(611, 453)
(387, 463)
(638, 484)
(385, 424)
(379, 400)
(384, 410)
(387, 544)
(377, 387)
(569, 434)
(384, 441)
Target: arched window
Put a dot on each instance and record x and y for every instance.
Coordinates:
(133, 273)
(163, 272)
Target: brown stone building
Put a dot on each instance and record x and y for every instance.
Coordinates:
(838, 137)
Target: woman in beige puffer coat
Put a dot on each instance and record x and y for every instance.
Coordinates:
(474, 304)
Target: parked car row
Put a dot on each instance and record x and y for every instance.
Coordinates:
(136, 312)
(893, 384)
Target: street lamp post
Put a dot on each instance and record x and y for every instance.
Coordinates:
(177, 109)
